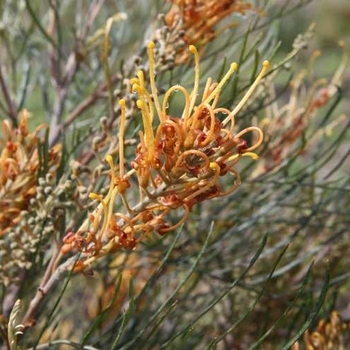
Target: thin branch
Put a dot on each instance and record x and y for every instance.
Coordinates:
(95, 8)
(12, 109)
(44, 289)
(37, 22)
(71, 68)
(96, 95)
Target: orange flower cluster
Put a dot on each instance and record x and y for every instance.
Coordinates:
(179, 162)
(19, 164)
(334, 334)
(199, 17)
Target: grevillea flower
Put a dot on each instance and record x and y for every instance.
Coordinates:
(19, 166)
(198, 19)
(180, 161)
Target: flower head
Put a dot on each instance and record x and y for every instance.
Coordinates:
(179, 162)
(198, 19)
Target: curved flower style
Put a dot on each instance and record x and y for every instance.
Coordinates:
(178, 163)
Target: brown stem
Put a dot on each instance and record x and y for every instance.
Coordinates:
(95, 8)
(44, 289)
(96, 95)
(63, 83)
(87, 103)
(60, 98)
(11, 296)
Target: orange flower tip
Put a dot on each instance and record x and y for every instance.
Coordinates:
(151, 45)
(192, 49)
(266, 64)
(122, 103)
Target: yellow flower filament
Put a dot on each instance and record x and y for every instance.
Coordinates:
(147, 124)
(139, 87)
(107, 210)
(100, 208)
(252, 155)
(153, 81)
(209, 87)
(223, 81)
(249, 93)
(121, 137)
(194, 92)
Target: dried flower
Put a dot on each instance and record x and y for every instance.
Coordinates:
(20, 189)
(285, 124)
(198, 19)
(19, 164)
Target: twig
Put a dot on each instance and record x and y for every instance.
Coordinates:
(87, 103)
(62, 84)
(37, 22)
(95, 8)
(96, 95)
(44, 289)
(12, 109)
